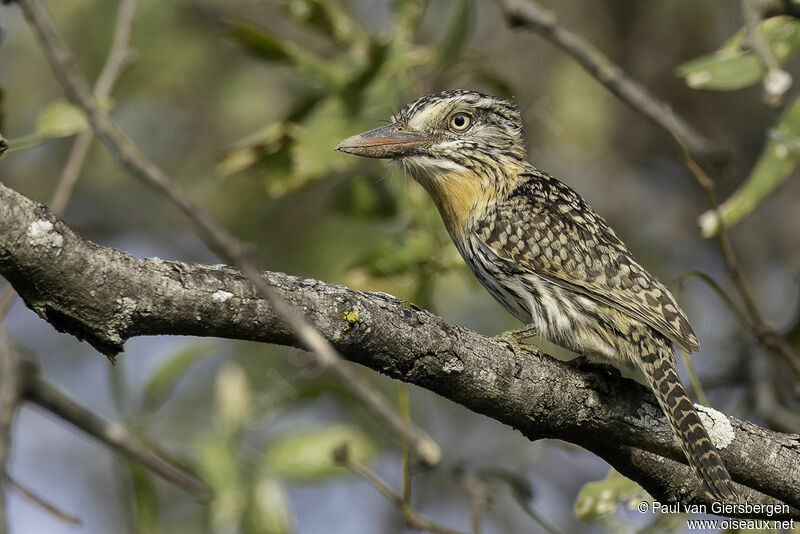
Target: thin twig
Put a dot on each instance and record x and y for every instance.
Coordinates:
(45, 505)
(766, 335)
(776, 80)
(696, 385)
(405, 410)
(10, 396)
(23, 381)
(112, 434)
(413, 518)
(479, 496)
(520, 488)
(128, 155)
(741, 316)
(768, 404)
(531, 15)
(217, 238)
(119, 57)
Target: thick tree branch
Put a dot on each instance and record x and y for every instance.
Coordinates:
(105, 296)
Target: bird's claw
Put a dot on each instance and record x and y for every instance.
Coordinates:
(514, 339)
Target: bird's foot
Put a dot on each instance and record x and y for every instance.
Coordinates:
(515, 339)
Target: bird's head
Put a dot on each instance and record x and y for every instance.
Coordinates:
(464, 147)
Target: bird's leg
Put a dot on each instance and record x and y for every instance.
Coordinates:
(514, 338)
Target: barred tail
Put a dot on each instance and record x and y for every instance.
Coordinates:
(659, 367)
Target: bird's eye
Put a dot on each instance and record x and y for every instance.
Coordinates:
(460, 122)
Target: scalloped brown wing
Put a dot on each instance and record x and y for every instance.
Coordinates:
(559, 237)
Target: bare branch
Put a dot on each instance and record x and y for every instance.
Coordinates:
(119, 58)
(413, 518)
(754, 322)
(116, 436)
(21, 380)
(531, 15)
(10, 396)
(776, 80)
(48, 507)
(105, 296)
(216, 237)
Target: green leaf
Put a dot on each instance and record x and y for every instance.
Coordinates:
(162, 383)
(60, 119)
(237, 161)
(600, 498)
(407, 16)
(232, 397)
(270, 511)
(218, 464)
(328, 17)
(363, 196)
(777, 161)
(145, 499)
(305, 455)
(257, 40)
(398, 254)
(312, 152)
(734, 65)
(459, 25)
(353, 90)
(261, 43)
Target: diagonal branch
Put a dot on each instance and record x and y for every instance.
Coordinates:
(216, 237)
(105, 296)
(755, 323)
(21, 381)
(114, 435)
(531, 15)
(413, 518)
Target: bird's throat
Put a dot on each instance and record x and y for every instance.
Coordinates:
(460, 197)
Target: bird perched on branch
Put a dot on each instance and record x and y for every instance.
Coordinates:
(543, 252)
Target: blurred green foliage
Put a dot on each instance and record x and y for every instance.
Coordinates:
(735, 66)
(776, 164)
(601, 498)
(340, 72)
(255, 501)
(342, 94)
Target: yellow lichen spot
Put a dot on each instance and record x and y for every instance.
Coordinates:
(351, 316)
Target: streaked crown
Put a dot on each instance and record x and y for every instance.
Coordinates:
(467, 129)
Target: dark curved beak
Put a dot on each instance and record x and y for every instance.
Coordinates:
(390, 141)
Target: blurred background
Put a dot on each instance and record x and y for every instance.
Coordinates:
(242, 101)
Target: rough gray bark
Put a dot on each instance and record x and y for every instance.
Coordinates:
(105, 296)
